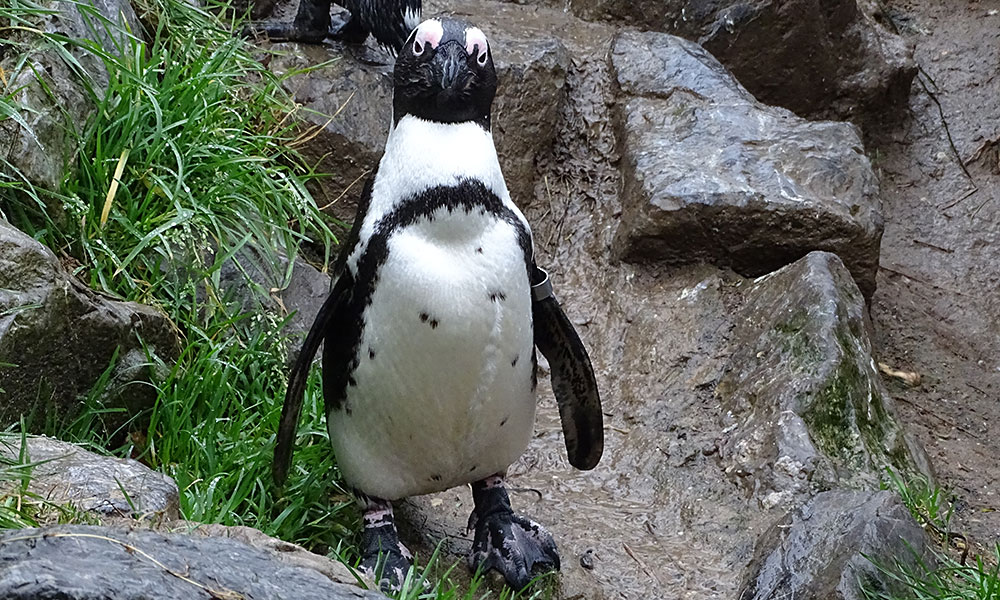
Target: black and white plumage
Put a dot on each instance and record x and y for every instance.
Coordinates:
(389, 21)
(430, 330)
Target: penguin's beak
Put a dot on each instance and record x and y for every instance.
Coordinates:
(450, 60)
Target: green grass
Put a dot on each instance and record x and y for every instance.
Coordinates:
(947, 576)
(948, 579)
(198, 135)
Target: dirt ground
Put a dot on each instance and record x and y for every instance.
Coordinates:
(937, 308)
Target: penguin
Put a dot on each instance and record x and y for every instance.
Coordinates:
(389, 21)
(430, 330)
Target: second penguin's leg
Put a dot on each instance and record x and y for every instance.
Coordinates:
(515, 546)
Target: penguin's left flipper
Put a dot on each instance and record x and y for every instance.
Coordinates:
(573, 380)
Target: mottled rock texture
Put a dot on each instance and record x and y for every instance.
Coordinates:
(829, 547)
(58, 337)
(819, 58)
(62, 474)
(97, 563)
(802, 393)
(711, 174)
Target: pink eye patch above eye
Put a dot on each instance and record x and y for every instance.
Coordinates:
(475, 42)
(429, 32)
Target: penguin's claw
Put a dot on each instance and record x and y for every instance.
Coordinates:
(515, 546)
(387, 568)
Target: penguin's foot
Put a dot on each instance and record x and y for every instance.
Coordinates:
(286, 32)
(311, 29)
(384, 559)
(515, 546)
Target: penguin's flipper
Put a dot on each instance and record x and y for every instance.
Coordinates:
(339, 293)
(573, 381)
(297, 380)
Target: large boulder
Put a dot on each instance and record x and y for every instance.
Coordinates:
(710, 174)
(831, 548)
(67, 475)
(55, 99)
(58, 338)
(346, 98)
(808, 408)
(98, 563)
(819, 58)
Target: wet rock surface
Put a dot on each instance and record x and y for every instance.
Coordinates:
(53, 99)
(664, 513)
(806, 405)
(57, 337)
(935, 311)
(97, 563)
(711, 174)
(290, 554)
(832, 545)
(63, 473)
(818, 58)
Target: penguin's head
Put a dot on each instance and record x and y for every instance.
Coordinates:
(445, 73)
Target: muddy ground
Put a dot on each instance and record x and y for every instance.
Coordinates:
(937, 308)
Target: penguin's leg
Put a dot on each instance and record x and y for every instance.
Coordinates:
(515, 546)
(383, 557)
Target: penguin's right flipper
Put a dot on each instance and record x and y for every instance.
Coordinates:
(573, 380)
(321, 328)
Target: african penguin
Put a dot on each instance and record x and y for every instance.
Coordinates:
(390, 21)
(431, 327)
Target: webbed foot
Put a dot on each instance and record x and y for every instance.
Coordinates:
(517, 547)
(384, 559)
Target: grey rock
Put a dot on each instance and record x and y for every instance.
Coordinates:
(114, 487)
(54, 100)
(287, 552)
(802, 392)
(830, 546)
(819, 58)
(57, 337)
(96, 563)
(712, 175)
(262, 282)
(347, 106)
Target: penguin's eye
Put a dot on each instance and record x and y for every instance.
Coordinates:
(476, 45)
(418, 48)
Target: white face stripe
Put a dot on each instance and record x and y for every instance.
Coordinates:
(422, 154)
(475, 42)
(411, 18)
(429, 32)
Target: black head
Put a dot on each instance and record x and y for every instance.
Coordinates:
(445, 73)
